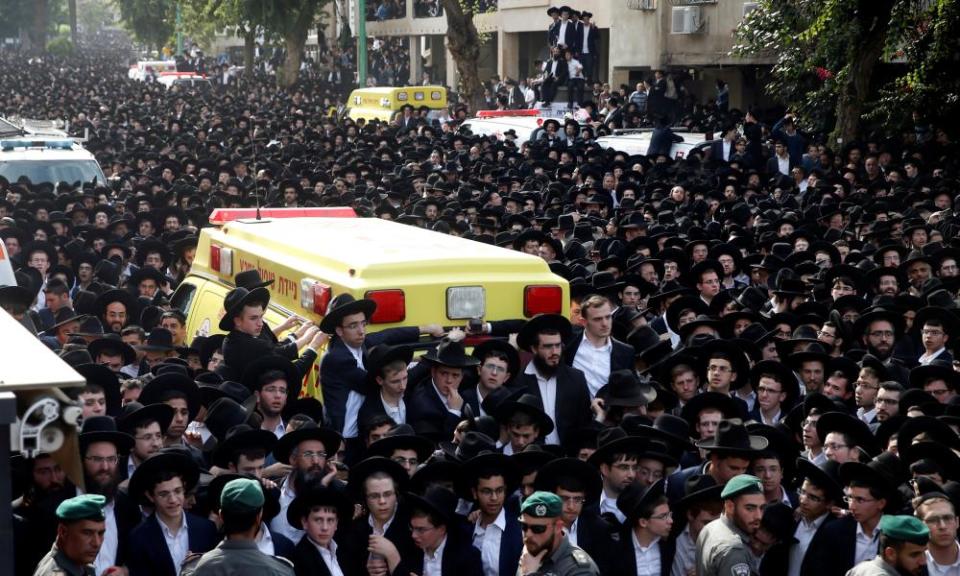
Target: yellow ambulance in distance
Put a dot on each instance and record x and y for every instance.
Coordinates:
(383, 103)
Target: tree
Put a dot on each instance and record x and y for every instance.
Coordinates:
(464, 43)
(150, 21)
(291, 20)
(828, 52)
(203, 18)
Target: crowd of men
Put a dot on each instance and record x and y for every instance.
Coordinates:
(756, 373)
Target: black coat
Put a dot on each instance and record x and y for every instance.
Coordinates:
(621, 356)
(307, 561)
(833, 549)
(147, 552)
(460, 558)
(240, 349)
(425, 405)
(353, 557)
(596, 538)
(818, 544)
(624, 560)
(572, 400)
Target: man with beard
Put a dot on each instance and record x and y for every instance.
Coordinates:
(562, 389)
(115, 308)
(306, 450)
(903, 546)
(546, 549)
(723, 545)
(270, 379)
(879, 331)
(46, 487)
(100, 446)
(147, 425)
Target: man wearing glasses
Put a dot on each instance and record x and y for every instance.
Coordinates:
(943, 552)
(935, 331)
(819, 492)
(645, 545)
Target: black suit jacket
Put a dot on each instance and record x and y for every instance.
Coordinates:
(570, 34)
(282, 546)
(624, 562)
(621, 356)
(148, 554)
(353, 552)
(426, 406)
(773, 167)
(572, 401)
(716, 152)
(596, 538)
(460, 558)
(240, 349)
(833, 548)
(307, 560)
(593, 40)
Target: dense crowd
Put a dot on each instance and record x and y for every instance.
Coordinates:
(756, 374)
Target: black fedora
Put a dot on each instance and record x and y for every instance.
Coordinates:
(636, 497)
(223, 414)
(270, 363)
(381, 355)
(615, 440)
(309, 431)
(250, 279)
(439, 502)
(368, 466)
(116, 295)
(733, 438)
(699, 488)
(112, 343)
(938, 369)
(945, 458)
(674, 430)
(172, 384)
(481, 350)
(401, 437)
(885, 473)
(106, 379)
(242, 436)
(143, 478)
(271, 498)
(471, 444)
(451, 354)
(949, 320)
(788, 381)
(62, 317)
(345, 305)
(133, 414)
(728, 406)
(304, 406)
(553, 473)
(528, 404)
(624, 388)
(158, 340)
(528, 334)
(103, 429)
(470, 470)
(317, 495)
(827, 477)
(894, 318)
(533, 457)
(738, 360)
(849, 425)
(236, 299)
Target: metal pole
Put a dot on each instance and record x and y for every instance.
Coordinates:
(8, 416)
(362, 43)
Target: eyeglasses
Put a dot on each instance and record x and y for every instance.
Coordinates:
(311, 455)
(834, 446)
(927, 332)
(663, 516)
(421, 529)
(102, 459)
(881, 334)
(578, 500)
(888, 401)
(720, 369)
(858, 500)
(148, 437)
(811, 497)
(496, 369)
(535, 528)
(945, 519)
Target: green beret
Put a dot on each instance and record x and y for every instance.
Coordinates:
(542, 505)
(741, 484)
(241, 495)
(905, 528)
(86, 507)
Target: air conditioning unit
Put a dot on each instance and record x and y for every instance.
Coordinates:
(748, 7)
(686, 20)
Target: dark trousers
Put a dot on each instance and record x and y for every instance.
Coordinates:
(548, 89)
(589, 62)
(575, 91)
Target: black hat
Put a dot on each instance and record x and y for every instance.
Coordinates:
(825, 477)
(63, 316)
(103, 429)
(528, 334)
(133, 414)
(491, 344)
(550, 475)
(439, 502)
(729, 406)
(778, 519)
(849, 425)
(115, 295)
(738, 359)
(694, 303)
(112, 343)
(223, 414)
(885, 473)
(173, 381)
(938, 369)
(471, 469)
(250, 279)
(624, 388)
(951, 324)
(699, 488)
(269, 363)
(528, 404)
(236, 299)
(401, 437)
(158, 340)
(363, 469)
(318, 495)
(637, 496)
(732, 438)
(674, 430)
(242, 436)
(451, 354)
(383, 354)
(944, 457)
(106, 379)
(616, 441)
(309, 431)
(144, 477)
(471, 444)
(693, 277)
(345, 305)
(895, 319)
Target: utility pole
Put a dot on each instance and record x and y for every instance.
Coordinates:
(362, 43)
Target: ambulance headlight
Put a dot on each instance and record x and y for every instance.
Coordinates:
(464, 302)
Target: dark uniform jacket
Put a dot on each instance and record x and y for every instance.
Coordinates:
(55, 563)
(567, 560)
(237, 558)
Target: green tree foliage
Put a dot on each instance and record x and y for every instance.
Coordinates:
(151, 22)
(834, 58)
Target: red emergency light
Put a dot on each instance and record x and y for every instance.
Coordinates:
(507, 113)
(221, 216)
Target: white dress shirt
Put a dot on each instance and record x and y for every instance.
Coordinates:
(572, 532)
(279, 523)
(867, 416)
(586, 39)
(934, 569)
(279, 430)
(107, 556)
(648, 559)
(783, 165)
(926, 359)
(608, 504)
(685, 557)
(560, 37)
(446, 403)
(487, 541)
(354, 400)
(804, 535)
(594, 363)
(178, 544)
(866, 545)
(265, 541)
(433, 564)
(548, 394)
(398, 413)
(329, 555)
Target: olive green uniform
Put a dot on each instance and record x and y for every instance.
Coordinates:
(566, 560)
(237, 558)
(56, 563)
(722, 550)
(875, 567)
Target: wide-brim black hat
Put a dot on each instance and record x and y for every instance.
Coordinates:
(381, 355)
(145, 273)
(944, 457)
(549, 476)
(242, 437)
(935, 371)
(250, 279)
(402, 437)
(733, 438)
(470, 470)
(513, 357)
(110, 343)
(16, 295)
(144, 476)
(155, 391)
(223, 414)
(435, 470)
(368, 466)
(318, 495)
(103, 429)
(116, 295)
(451, 354)
(65, 316)
(616, 441)
(738, 359)
(694, 303)
(238, 298)
(692, 278)
(624, 388)
(329, 438)
(345, 305)
(934, 429)
(851, 426)
(700, 488)
(439, 502)
(528, 404)
(885, 473)
(637, 497)
(134, 414)
(269, 363)
(895, 319)
(728, 406)
(822, 478)
(527, 336)
(106, 379)
(673, 430)
(951, 324)
(271, 498)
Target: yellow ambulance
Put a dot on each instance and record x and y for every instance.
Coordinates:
(415, 276)
(382, 103)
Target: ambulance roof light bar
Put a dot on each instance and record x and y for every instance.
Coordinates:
(221, 216)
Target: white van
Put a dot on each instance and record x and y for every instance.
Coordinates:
(637, 140)
(48, 159)
(144, 69)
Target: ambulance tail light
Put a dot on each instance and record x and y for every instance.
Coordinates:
(391, 306)
(465, 302)
(315, 295)
(221, 259)
(542, 300)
